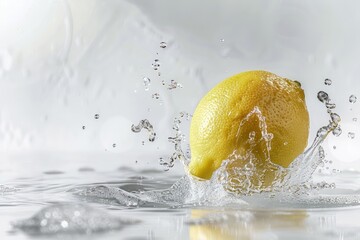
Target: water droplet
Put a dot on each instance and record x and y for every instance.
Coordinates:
(352, 99)
(146, 82)
(321, 153)
(354, 119)
(351, 135)
(83, 127)
(64, 224)
(323, 96)
(335, 118)
(156, 66)
(114, 145)
(156, 96)
(328, 81)
(97, 116)
(330, 105)
(173, 84)
(334, 147)
(337, 131)
(222, 40)
(163, 44)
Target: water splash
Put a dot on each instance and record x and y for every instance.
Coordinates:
(70, 218)
(147, 125)
(177, 140)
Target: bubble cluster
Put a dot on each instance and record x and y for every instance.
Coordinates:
(66, 218)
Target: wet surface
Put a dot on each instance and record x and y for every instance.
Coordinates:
(127, 203)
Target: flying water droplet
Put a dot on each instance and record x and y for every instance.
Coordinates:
(351, 135)
(173, 84)
(337, 131)
(163, 44)
(328, 81)
(146, 82)
(352, 99)
(323, 96)
(97, 116)
(335, 118)
(156, 64)
(156, 96)
(330, 105)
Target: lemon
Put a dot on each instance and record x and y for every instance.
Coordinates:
(217, 128)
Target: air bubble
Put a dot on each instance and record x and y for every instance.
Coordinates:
(352, 99)
(252, 136)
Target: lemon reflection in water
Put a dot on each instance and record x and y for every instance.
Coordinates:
(231, 225)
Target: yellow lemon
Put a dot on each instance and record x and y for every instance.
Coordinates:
(217, 127)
